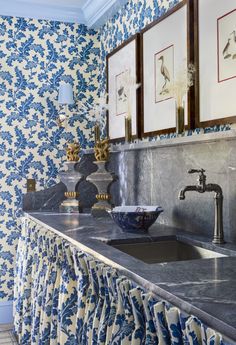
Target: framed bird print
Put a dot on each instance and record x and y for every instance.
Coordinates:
(164, 73)
(166, 52)
(123, 78)
(216, 54)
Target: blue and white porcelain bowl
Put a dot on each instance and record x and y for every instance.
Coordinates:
(135, 218)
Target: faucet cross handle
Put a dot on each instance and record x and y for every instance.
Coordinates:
(197, 171)
(202, 176)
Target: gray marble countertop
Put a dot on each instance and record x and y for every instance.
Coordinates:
(205, 288)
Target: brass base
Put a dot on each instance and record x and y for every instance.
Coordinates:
(70, 206)
(71, 195)
(103, 197)
(100, 210)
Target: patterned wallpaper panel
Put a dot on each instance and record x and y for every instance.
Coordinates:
(34, 57)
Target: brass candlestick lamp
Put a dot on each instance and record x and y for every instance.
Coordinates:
(65, 98)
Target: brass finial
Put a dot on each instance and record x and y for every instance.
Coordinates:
(72, 152)
(101, 150)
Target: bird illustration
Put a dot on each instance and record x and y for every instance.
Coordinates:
(164, 72)
(121, 93)
(226, 50)
(234, 39)
(234, 34)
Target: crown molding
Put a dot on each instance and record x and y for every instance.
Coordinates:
(98, 12)
(94, 13)
(44, 11)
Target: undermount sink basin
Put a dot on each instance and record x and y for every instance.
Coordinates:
(165, 251)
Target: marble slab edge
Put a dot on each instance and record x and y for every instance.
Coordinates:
(177, 141)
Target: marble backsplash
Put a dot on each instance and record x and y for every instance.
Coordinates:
(155, 175)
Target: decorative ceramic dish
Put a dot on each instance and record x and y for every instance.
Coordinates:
(133, 218)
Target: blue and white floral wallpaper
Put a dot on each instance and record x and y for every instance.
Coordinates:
(130, 19)
(35, 55)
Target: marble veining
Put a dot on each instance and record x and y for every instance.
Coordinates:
(206, 290)
(205, 281)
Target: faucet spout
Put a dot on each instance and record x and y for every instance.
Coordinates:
(186, 189)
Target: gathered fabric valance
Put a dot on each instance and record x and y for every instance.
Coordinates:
(67, 297)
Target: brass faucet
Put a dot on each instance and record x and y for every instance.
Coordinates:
(202, 187)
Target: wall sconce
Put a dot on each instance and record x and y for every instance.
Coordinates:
(65, 98)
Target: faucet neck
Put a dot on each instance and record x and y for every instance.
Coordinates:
(218, 229)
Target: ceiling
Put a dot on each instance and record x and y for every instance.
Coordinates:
(93, 13)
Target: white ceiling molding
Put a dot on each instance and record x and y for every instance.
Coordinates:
(93, 13)
(36, 10)
(98, 12)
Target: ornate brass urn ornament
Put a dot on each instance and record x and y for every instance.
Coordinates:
(72, 152)
(71, 178)
(101, 150)
(102, 179)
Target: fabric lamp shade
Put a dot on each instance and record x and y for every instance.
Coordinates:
(65, 94)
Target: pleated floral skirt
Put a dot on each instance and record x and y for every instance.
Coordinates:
(63, 296)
